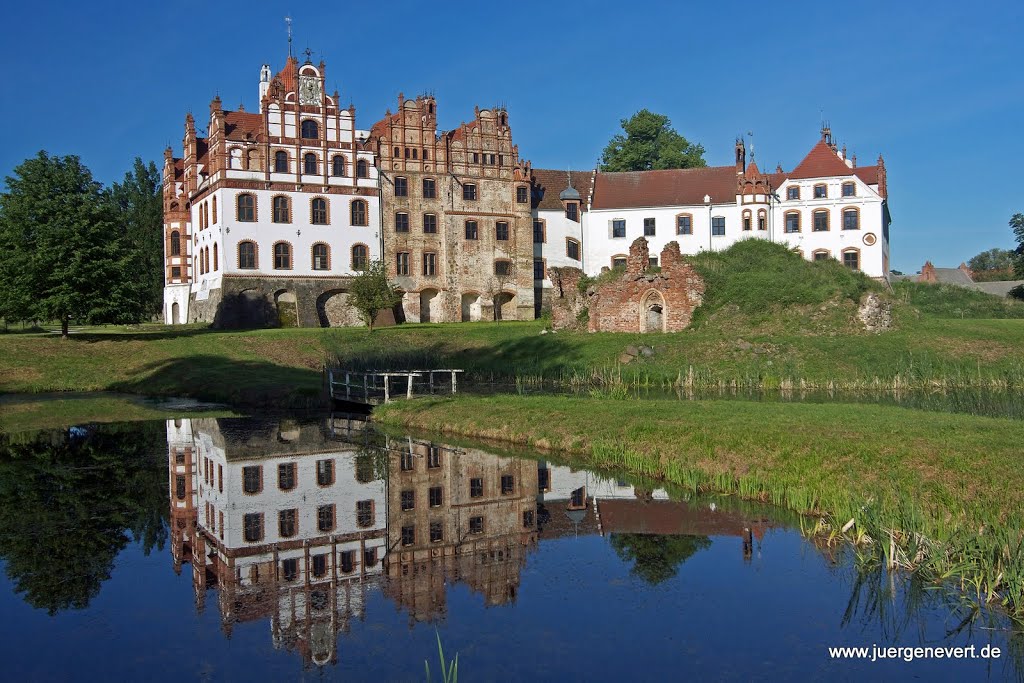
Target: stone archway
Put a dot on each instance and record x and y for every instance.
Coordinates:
(175, 314)
(504, 306)
(430, 306)
(652, 312)
(470, 307)
(334, 310)
(287, 308)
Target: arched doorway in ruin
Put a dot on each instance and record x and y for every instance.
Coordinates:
(334, 310)
(504, 306)
(287, 308)
(175, 314)
(430, 306)
(652, 312)
(470, 307)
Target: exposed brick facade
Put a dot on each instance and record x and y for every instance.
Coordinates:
(464, 284)
(639, 301)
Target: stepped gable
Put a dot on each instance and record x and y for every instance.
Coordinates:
(548, 184)
(669, 187)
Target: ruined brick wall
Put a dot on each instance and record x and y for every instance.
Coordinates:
(567, 300)
(642, 301)
(464, 284)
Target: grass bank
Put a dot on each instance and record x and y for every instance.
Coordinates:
(48, 411)
(933, 492)
(281, 368)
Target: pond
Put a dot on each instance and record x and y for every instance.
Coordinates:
(248, 548)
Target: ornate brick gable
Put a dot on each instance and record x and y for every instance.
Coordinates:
(639, 301)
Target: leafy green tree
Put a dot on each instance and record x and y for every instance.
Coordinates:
(1017, 225)
(656, 558)
(62, 252)
(138, 203)
(650, 142)
(994, 264)
(370, 293)
(71, 500)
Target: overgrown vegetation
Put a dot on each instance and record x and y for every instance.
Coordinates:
(924, 491)
(950, 301)
(760, 278)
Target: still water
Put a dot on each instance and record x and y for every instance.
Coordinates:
(269, 549)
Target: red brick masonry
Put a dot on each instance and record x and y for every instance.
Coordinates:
(639, 301)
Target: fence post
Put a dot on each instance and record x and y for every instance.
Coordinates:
(408, 386)
(387, 388)
(454, 386)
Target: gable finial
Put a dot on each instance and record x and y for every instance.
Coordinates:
(288, 21)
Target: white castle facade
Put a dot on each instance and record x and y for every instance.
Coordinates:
(269, 216)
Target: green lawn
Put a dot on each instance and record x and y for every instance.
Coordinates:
(283, 367)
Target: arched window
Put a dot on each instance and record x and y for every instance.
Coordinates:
(254, 160)
(318, 211)
(175, 243)
(762, 219)
(309, 164)
(280, 162)
(792, 221)
(851, 258)
(362, 170)
(246, 255)
(214, 209)
(246, 208)
(282, 210)
(282, 256)
(360, 257)
(215, 260)
(321, 257)
(359, 212)
(851, 219)
(310, 131)
(338, 166)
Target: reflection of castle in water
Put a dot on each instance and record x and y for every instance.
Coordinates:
(298, 523)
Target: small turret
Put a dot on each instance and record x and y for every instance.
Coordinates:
(741, 156)
(264, 81)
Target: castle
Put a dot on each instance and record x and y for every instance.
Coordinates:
(269, 216)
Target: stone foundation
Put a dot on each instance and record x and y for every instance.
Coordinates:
(245, 302)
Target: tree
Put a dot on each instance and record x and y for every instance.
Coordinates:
(994, 264)
(138, 203)
(62, 252)
(1017, 224)
(656, 558)
(650, 142)
(371, 293)
(71, 500)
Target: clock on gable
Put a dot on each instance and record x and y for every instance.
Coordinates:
(309, 90)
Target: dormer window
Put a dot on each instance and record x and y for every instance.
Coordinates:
(572, 211)
(310, 131)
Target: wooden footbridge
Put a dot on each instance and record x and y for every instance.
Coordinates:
(374, 387)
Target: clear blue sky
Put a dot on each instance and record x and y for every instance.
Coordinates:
(936, 87)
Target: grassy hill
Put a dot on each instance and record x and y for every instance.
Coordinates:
(770, 318)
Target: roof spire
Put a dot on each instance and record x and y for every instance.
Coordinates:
(288, 21)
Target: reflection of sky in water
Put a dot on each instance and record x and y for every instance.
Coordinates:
(580, 612)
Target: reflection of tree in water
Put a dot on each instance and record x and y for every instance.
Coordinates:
(656, 558)
(70, 501)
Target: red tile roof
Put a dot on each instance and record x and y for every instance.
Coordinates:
(287, 75)
(820, 162)
(752, 170)
(670, 187)
(869, 174)
(202, 150)
(238, 125)
(549, 183)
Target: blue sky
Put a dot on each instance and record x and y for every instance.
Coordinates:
(936, 87)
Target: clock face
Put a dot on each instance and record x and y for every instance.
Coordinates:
(309, 90)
